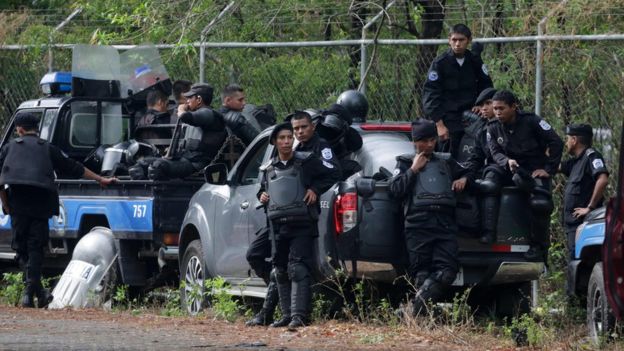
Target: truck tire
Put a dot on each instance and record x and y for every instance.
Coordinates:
(600, 318)
(192, 276)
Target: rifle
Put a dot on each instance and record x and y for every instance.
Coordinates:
(175, 140)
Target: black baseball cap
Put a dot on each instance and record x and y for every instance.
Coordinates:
(579, 129)
(278, 128)
(203, 90)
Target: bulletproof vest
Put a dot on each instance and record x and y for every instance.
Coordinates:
(469, 141)
(286, 192)
(578, 189)
(433, 184)
(201, 142)
(28, 163)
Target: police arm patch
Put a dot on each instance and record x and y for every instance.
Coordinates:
(327, 164)
(545, 125)
(327, 153)
(433, 76)
(485, 69)
(597, 163)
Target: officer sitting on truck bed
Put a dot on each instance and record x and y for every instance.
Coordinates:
(427, 182)
(526, 150)
(28, 164)
(204, 134)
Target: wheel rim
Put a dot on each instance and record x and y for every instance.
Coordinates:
(597, 321)
(194, 285)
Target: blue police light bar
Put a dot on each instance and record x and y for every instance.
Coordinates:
(56, 83)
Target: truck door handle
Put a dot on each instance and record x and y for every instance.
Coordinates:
(244, 205)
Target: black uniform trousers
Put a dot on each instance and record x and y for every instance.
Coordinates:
(258, 252)
(431, 241)
(571, 241)
(294, 245)
(30, 235)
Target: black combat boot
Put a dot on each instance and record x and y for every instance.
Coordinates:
(284, 290)
(43, 296)
(28, 296)
(265, 315)
(301, 297)
(296, 322)
(430, 291)
(489, 219)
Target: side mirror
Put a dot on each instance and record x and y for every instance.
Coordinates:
(216, 174)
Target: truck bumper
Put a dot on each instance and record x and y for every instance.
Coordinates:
(513, 272)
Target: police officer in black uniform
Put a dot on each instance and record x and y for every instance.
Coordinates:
(527, 152)
(204, 134)
(260, 248)
(291, 185)
(587, 179)
(454, 80)
(233, 103)
(28, 164)
(427, 182)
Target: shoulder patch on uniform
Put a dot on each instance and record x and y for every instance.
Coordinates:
(327, 153)
(545, 125)
(433, 76)
(327, 164)
(597, 163)
(485, 69)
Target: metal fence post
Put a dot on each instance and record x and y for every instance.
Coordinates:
(56, 29)
(202, 39)
(363, 65)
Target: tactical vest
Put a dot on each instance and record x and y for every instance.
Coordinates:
(433, 185)
(578, 189)
(28, 163)
(286, 192)
(201, 143)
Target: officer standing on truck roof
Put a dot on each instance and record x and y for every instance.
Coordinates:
(260, 248)
(27, 166)
(454, 80)
(587, 179)
(291, 185)
(427, 182)
(527, 152)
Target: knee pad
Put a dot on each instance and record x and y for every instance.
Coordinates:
(137, 172)
(158, 170)
(541, 205)
(281, 275)
(298, 271)
(489, 186)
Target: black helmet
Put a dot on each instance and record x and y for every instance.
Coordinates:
(356, 103)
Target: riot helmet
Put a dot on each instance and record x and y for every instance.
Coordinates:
(356, 103)
(122, 153)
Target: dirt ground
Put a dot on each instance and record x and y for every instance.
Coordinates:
(33, 329)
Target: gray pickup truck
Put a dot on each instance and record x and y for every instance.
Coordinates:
(360, 228)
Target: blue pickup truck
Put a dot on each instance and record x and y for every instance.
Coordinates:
(144, 216)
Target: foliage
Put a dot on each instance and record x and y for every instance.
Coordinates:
(223, 305)
(11, 288)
